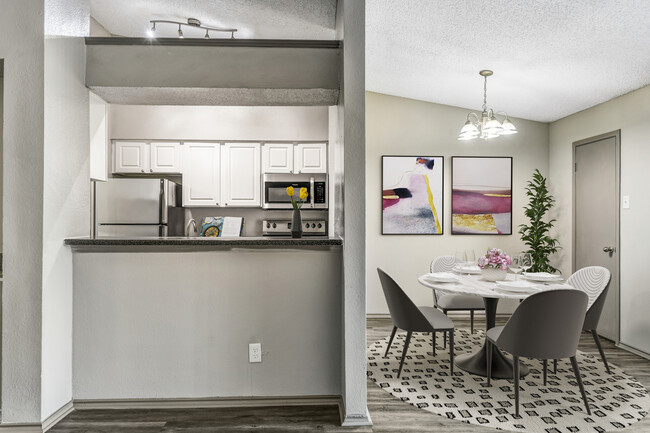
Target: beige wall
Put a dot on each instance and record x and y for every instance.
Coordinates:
(398, 126)
(631, 114)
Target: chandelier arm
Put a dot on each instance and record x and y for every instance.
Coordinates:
(475, 116)
(485, 93)
(216, 29)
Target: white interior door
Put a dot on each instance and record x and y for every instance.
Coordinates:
(596, 186)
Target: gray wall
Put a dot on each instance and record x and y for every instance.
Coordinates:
(630, 114)
(172, 325)
(21, 47)
(65, 208)
(399, 126)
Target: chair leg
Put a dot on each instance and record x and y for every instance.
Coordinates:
(600, 349)
(392, 335)
(451, 352)
(471, 321)
(488, 356)
(515, 360)
(545, 366)
(555, 366)
(576, 372)
(433, 341)
(406, 347)
(444, 344)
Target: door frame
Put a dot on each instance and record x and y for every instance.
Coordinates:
(616, 135)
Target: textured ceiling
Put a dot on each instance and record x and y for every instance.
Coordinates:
(550, 58)
(258, 19)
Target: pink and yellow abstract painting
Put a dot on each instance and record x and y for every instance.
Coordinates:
(412, 194)
(481, 200)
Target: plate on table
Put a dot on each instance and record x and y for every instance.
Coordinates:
(542, 276)
(518, 286)
(442, 277)
(463, 269)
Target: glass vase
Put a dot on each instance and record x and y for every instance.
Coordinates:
(296, 224)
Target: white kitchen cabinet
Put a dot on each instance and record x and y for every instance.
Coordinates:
(201, 174)
(241, 174)
(310, 158)
(131, 157)
(165, 157)
(277, 158)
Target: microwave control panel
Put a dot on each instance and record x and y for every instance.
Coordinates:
(319, 193)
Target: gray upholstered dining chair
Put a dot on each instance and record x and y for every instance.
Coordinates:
(546, 325)
(445, 301)
(407, 316)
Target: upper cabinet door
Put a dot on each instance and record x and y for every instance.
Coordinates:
(165, 157)
(241, 174)
(201, 171)
(277, 158)
(310, 158)
(130, 157)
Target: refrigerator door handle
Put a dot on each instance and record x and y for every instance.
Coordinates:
(162, 207)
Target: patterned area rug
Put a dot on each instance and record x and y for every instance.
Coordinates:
(616, 400)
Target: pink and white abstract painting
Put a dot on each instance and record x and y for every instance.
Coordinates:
(412, 188)
(481, 196)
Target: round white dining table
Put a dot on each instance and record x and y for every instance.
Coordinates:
(474, 285)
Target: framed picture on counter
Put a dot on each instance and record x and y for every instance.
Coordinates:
(412, 195)
(481, 195)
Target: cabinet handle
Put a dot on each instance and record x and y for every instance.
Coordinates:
(151, 170)
(142, 171)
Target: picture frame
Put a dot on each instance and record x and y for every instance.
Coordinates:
(412, 195)
(481, 195)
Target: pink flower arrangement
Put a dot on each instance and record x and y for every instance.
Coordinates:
(495, 258)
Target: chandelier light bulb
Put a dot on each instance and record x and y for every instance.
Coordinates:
(152, 32)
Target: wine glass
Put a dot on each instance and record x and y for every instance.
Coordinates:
(526, 261)
(516, 266)
(461, 258)
(470, 257)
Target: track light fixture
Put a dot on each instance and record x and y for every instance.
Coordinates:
(191, 22)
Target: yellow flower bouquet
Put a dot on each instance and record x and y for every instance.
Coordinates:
(303, 196)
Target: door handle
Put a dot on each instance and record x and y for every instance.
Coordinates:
(609, 249)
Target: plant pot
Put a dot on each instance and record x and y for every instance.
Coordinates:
(296, 224)
(494, 274)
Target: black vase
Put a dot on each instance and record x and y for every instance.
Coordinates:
(296, 224)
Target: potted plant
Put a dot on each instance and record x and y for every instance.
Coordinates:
(494, 264)
(296, 220)
(536, 234)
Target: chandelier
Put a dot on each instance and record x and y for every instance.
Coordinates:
(191, 22)
(487, 126)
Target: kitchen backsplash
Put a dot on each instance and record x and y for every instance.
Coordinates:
(252, 216)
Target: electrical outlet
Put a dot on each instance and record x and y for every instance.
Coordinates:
(255, 352)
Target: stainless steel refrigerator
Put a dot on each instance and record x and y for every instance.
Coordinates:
(139, 208)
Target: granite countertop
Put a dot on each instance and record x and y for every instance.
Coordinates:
(275, 241)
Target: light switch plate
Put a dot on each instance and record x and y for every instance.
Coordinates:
(626, 202)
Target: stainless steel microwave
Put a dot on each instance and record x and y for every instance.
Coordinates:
(274, 190)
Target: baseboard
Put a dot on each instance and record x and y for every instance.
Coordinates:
(356, 420)
(21, 428)
(57, 416)
(633, 350)
(216, 402)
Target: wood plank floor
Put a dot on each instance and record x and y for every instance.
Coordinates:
(388, 414)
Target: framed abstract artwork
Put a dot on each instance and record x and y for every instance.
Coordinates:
(481, 195)
(412, 195)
